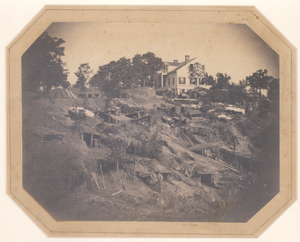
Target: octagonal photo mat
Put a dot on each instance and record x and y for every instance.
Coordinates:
(209, 34)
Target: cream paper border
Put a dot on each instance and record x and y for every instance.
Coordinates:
(247, 15)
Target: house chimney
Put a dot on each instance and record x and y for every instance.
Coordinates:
(175, 61)
(187, 59)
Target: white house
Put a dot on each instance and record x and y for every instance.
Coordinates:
(175, 76)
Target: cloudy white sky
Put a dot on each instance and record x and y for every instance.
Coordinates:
(233, 49)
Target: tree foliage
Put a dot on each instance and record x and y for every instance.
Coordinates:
(259, 80)
(83, 74)
(273, 90)
(42, 66)
(196, 70)
(145, 68)
(236, 93)
(77, 115)
(208, 80)
(222, 81)
(273, 94)
(113, 77)
(126, 74)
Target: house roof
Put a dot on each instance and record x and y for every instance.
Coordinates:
(91, 90)
(194, 111)
(120, 117)
(203, 146)
(156, 167)
(182, 64)
(45, 131)
(235, 109)
(172, 63)
(223, 116)
(88, 130)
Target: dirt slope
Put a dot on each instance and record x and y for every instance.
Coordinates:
(164, 185)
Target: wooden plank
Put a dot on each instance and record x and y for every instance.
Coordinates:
(138, 119)
(226, 165)
(102, 176)
(187, 138)
(134, 170)
(117, 193)
(95, 179)
(118, 171)
(180, 194)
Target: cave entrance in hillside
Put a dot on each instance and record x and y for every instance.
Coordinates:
(205, 179)
(92, 140)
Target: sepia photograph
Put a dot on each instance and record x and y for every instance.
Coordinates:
(157, 122)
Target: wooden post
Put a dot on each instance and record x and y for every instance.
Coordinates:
(95, 179)
(118, 171)
(134, 170)
(134, 162)
(82, 135)
(92, 140)
(102, 176)
(122, 177)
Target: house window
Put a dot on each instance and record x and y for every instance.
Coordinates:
(181, 80)
(193, 81)
(173, 81)
(191, 67)
(169, 81)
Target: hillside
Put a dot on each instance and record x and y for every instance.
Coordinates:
(155, 164)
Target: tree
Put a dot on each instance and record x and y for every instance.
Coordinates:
(273, 94)
(236, 93)
(145, 68)
(196, 71)
(243, 84)
(259, 80)
(222, 81)
(83, 74)
(77, 115)
(273, 90)
(42, 67)
(113, 77)
(65, 84)
(208, 80)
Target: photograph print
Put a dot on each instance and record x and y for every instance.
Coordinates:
(174, 122)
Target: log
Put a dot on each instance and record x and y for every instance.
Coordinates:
(138, 119)
(117, 171)
(226, 165)
(180, 194)
(187, 138)
(95, 179)
(134, 170)
(116, 193)
(102, 176)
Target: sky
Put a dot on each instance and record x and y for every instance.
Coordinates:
(233, 49)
